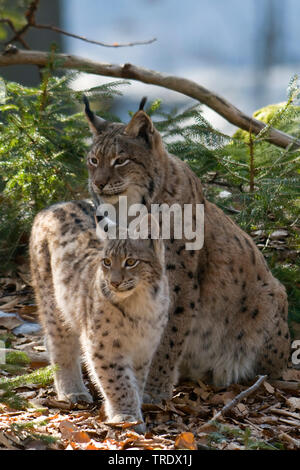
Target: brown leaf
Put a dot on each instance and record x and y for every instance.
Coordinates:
(92, 446)
(81, 437)
(294, 403)
(67, 429)
(71, 432)
(222, 398)
(123, 424)
(268, 387)
(185, 440)
(242, 408)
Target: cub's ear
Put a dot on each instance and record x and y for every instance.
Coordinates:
(105, 226)
(141, 125)
(96, 123)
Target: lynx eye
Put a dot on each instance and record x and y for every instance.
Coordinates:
(106, 262)
(121, 161)
(131, 262)
(93, 161)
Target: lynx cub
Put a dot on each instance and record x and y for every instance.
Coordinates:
(105, 298)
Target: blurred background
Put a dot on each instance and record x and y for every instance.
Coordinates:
(245, 51)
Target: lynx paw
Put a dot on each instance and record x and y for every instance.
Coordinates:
(76, 397)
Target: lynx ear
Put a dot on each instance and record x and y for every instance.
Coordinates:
(105, 222)
(141, 125)
(96, 123)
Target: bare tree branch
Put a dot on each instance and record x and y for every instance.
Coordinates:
(12, 27)
(91, 41)
(30, 17)
(31, 23)
(171, 82)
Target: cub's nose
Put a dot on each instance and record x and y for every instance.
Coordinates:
(99, 185)
(115, 284)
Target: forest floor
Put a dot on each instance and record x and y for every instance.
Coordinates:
(267, 418)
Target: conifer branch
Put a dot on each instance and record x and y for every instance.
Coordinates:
(182, 85)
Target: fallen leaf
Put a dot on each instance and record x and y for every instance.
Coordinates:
(72, 433)
(242, 408)
(269, 387)
(122, 425)
(185, 440)
(92, 446)
(222, 398)
(67, 429)
(81, 437)
(294, 403)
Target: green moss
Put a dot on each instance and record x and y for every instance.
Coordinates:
(17, 358)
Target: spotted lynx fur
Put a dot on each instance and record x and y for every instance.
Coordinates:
(228, 314)
(105, 298)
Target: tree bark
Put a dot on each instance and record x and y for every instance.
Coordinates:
(181, 85)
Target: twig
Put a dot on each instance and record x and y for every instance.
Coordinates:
(30, 17)
(171, 82)
(239, 398)
(12, 27)
(31, 23)
(279, 411)
(285, 384)
(91, 41)
(231, 210)
(251, 163)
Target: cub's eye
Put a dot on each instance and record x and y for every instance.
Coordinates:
(106, 262)
(130, 262)
(93, 161)
(121, 161)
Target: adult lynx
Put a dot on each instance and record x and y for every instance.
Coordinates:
(105, 298)
(228, 314)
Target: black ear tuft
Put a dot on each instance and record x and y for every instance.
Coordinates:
(88, 111)
(142, 103)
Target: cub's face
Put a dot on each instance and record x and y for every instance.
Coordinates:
(128, 265)
(124, 160)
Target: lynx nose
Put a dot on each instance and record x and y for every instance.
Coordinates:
(101, 179)
(115, 284)
(100, 185)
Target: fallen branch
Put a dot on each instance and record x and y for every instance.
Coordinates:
(285, 384)
(129, 71)
(239, 398)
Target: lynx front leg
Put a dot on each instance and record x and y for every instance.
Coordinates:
(141, 373)
(64, 350)
(163, 373)
(116, 381)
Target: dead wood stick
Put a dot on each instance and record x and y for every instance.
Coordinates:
(171, 82)
(239, 398)
(279, 411)
(285, 384)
